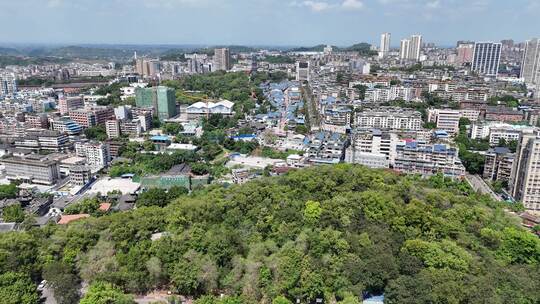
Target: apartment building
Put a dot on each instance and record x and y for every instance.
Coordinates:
(97, 154)
(337, 115)
(112, 127)
(446, 119)
(389, 118)
(507, 133)
(68, 104)
(36, 121)
(372, 148)
(525, 177)
(498, 164)
(90, 117)
(79, 175)
(501, 113)
(425, 159)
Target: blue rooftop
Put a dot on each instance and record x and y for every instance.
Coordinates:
(159, 138)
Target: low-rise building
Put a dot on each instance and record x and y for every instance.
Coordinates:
(501, 113)
(40, 139)
(80, 175)
(32, 168)
(201, 109)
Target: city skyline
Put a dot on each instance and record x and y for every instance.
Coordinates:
(265, 22)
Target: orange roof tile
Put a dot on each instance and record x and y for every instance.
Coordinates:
(66, 219)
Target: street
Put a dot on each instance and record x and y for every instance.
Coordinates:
(479, 185)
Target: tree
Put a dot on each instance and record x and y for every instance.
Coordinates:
(13, 213)
(8, 191)
(153, 197)
(63, 282)
(195, 274)
(98, 133)
(172, 128)
(301, 129)
(105, 293)
(148, 145)
(519, 246)
(87, 205)
(281, 300)
(200, 168)
(312, 212)
(17, 288)
(361, 90)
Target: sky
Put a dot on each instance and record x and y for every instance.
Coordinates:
(265, 22)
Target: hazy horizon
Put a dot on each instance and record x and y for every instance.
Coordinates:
(265, 22)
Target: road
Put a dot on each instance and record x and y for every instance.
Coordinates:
(479, 185)
(311, 105)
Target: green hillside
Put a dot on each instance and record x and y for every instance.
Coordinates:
(333, 232)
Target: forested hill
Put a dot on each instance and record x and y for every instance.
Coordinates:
(335, 232)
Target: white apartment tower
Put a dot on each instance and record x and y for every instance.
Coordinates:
(415, 47)
(486, 58)
(404, 48)
(385, 45)
(97, 154)
(410, 48)
(525, 177)
(530, 66)
(8, 84)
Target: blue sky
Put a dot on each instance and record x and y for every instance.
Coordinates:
(265, 22)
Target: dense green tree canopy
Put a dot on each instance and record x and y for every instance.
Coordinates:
(332, 232)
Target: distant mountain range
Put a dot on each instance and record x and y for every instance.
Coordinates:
(14, 53)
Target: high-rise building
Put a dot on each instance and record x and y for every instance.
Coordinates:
(410, 48)
(486, 58)
(8, 84)
(498, 164)
(302, 71)
(525, 178)
(530, 66)
(415, 47)
(161, 99)
(385, 45)
(154, 68)
(465, 52)
(404, 49)
(328, 50)
(222, 59)
(147, 67)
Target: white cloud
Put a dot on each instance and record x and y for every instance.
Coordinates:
(352, 4)
(433, 4)
(319, 6)
(174, 3)
(316, 6)
(54, 3)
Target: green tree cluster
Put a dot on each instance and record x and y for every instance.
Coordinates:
(336, 233)
(98, 133)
